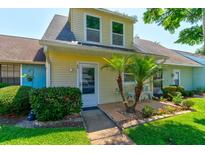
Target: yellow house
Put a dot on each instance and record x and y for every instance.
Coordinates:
(75, 47)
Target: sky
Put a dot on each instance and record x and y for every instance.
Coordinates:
(33, 23)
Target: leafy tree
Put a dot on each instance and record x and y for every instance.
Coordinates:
(118, 63)
(171, 18)
(143, 68)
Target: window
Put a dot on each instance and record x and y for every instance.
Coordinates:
(176, 77)
(157, 83)
(10, 73)
(117, 34)
(92, 29)
(129, 78)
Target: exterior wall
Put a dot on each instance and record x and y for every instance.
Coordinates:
(39, 75)
(64, 67)
(199, 77)
(77, 25)
(186, 76)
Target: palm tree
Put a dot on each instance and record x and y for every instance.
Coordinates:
(118, 64)
(143, 68)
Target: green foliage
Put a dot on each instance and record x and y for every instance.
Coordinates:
(171, 18)
(188, 93)
(14, 100)
(147, 111)
(169, 109)
(177, 99)
(55, 103)
(2, 85)
(170, 91)
(199, 91)
(117, 63)
(188, 103)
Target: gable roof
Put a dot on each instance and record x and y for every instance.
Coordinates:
(174, 58)
(20, 49)
(59, 31)
(195, 57)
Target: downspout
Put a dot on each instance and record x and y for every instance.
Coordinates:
(48, 67)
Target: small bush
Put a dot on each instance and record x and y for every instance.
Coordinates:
(188, 103)
(162, 99)
(188, 93)
(147, 111)
(55, 103)
(177, 99)
(169, 109)
(161, 111)
(172, 90)
(199, 91)
(2, 85)
(14, 100)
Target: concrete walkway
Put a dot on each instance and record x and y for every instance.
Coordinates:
(101, 130)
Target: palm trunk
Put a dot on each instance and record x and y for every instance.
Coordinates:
(203, 26)
(120, 86)
(138, 91)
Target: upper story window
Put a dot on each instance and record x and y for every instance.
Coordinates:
(92, 29)
(117, 34)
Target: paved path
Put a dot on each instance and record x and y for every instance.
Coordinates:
(101, 130)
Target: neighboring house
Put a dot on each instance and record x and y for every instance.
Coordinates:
(198, 73)
(20, 56)
(74, 48)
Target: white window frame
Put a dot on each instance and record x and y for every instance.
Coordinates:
(174, 71)
(111, 43)
(85, 28)
(127, 82)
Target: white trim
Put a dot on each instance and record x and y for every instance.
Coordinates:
(174, 71)
(111, 39)
(98, 77)
(48, 75)
(21, 78)
(85, 27)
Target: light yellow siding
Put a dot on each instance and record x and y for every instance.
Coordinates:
(77, 25)
(64, 67)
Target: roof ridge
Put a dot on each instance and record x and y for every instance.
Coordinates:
(23, 37)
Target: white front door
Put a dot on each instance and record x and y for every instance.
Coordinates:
(88, 83)
(176, 77)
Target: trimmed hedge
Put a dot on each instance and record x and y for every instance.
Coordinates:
(172, 91)
(55, 103)
(14, 100)
(2, 85)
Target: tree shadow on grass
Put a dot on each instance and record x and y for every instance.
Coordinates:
(9, 133)
(170, 133)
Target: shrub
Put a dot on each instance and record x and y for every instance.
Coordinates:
(199, 91)
(147, 111)
(172, 90)
(55, 103)
(177, 99)
(161, 111)
(188, 93)
(162, 99)
(2, 85)
(14, 100)
(169, 109)
(188, 103)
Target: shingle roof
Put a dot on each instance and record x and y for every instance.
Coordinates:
(174, 58)
(195, 57)
(16, 49)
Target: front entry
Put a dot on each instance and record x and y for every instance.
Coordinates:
(88, 83)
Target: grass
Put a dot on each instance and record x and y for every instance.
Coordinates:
(11, 135)
(186, 129)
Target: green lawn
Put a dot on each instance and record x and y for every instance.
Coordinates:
(11, 135)
(184, 129)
